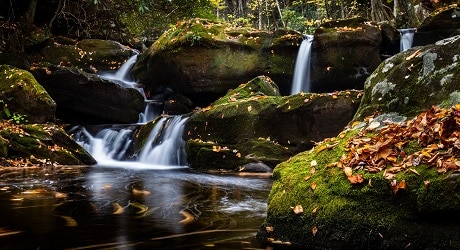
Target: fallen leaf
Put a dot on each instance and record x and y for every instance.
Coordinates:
(314, 230)
(298, 209)
(249, 108)
(313, 186)
(314, 210)
(348, 171)
(356, 179)
(269, 229)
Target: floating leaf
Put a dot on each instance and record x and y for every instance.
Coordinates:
(117, 208)
(188, 217)
(140, 192)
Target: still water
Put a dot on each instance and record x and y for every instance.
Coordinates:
(111, 207)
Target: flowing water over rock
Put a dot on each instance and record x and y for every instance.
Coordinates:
(407, 38)
(301, 80)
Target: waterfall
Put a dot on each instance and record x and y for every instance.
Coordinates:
(113, 145)
(407, 38)
(123, 78)
(301, 80)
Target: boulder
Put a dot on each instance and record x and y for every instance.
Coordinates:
(253, 124)
(395, 187)
(42, 142)
(344, 53)
(203, 59)
(86, 98)
(23, 99)
(414, 80)
(441, 24)
(91, 55)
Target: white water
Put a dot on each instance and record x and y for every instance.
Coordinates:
(163, 149)
(407, 38)
(301, 80)
(124, 79)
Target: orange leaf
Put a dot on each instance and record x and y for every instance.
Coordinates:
(356, 179)
(314, 230)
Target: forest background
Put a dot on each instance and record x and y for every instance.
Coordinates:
(28, 23)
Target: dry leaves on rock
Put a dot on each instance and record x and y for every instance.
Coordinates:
(437, 131)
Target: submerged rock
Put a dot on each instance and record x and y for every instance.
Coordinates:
(85, 98)
(23, 99)
(344, 53)
(414, 80)
(253, 123)
(203, 59)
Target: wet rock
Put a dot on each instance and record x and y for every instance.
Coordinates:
(414, 80)
(202, 59)
(344, 53)
(255, 167)
(23, 99)
(91, 55)
(44, 142)
(262, 126)
(441, 24)
(85, 98)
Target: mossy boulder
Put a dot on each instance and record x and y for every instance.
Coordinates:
(440, 24)
(344, 53)
(414, 80)
(348, 192)
(42, 142)
(253, 123)
(86, 98)
(23, 98)
(91, 55)
(203, 59)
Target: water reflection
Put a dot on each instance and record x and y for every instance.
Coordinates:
(92, 208)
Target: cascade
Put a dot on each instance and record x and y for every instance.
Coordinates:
(123, 78)
(113, 145)
(407, 38)
(301, 79)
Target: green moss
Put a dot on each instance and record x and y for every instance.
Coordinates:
(357, 216)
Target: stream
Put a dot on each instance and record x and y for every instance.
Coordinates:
(114, 207)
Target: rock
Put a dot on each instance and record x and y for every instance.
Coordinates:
(24, 99)
(344, 53)
(262, 126)
(390, 41)
(414, 80)
(441, 24)
(45, 142)
(177, 105)
(91, 55)
(367, 204)
(256, 167)
(203, 59)
(85, 98)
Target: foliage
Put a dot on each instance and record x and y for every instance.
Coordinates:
(13, 117)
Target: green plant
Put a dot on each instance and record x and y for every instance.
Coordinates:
(15, 117)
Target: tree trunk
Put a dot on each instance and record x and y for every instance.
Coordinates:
(29, 16)
(279, 11)
(378, 11)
